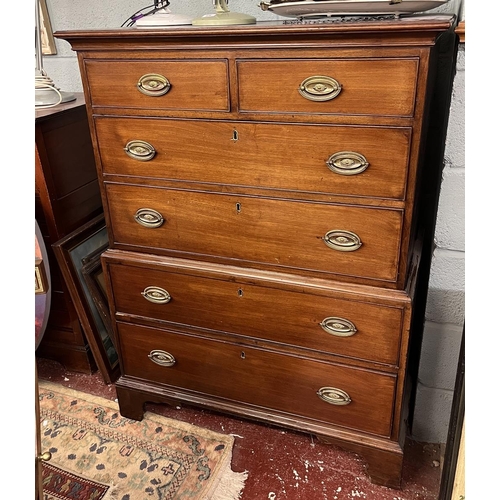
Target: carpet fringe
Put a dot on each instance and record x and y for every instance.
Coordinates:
(230, 486)
(112, 493)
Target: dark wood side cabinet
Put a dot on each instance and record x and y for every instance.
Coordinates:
(66, 196)
(261, 189)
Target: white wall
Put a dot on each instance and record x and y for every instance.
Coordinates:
(446, 301)
(70, 14)
(445, 312)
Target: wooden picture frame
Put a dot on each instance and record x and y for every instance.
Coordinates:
(73, 252)
(94, 277)
(46, 33)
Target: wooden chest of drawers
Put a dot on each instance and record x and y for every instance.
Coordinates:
(260, 186)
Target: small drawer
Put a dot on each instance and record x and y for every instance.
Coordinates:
(333, 394)
(359, 242)
(310, 158)
(159, 84)
(286, 313)
(371, 86)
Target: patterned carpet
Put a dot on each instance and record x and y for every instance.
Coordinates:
(99, 455)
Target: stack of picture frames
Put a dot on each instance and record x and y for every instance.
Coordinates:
(79, 257)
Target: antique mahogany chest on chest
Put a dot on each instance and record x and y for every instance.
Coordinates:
(260, 187)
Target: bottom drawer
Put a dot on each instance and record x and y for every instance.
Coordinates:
(354, 398)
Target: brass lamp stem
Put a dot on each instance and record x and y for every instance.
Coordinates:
(221, 6)
(38, 38)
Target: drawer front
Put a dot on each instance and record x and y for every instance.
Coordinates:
(322, 159)
(258, 377)
(280, 233)
(372, 86)
(159, 84)
(288, 315)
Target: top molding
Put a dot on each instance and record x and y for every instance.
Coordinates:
(414, 30)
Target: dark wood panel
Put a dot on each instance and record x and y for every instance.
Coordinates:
(74, 358)
(78, 205)
(65, 142)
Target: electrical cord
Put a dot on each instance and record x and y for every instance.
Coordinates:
(42, 81)
(155, 7)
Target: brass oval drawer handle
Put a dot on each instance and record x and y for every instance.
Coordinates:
(148, 217)
(153, 84)
(347, 163)
(334, 396)
(156, 295)
(140, 150)
(342, 241)
(162, 358)
(339, 327)
(320, 88)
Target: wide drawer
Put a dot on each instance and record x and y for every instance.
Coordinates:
(288, 313)
(351, 241)
(262, 378)
(321, 159)
(165, 84)
(363, 86)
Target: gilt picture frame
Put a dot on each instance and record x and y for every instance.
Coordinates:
(73, 252)
(46, 33)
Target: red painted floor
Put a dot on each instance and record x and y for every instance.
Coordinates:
(281, 464)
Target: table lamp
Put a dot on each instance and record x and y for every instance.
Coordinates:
(46, 93)
(223, 16)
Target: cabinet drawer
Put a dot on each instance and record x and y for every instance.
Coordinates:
(169, 84)
(371, 86)
(258, 377)
(322, 159)
(287, 313)
(279, 233)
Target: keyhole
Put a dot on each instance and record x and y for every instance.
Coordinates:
(243, 355)
(240, 292)
(238, 208)
(235, 135)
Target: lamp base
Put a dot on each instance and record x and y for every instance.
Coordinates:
(224, 19)
(51, 97)
(46, 93)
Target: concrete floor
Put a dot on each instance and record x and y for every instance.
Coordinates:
(282, 464)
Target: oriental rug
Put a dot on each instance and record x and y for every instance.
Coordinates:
(99, 455)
